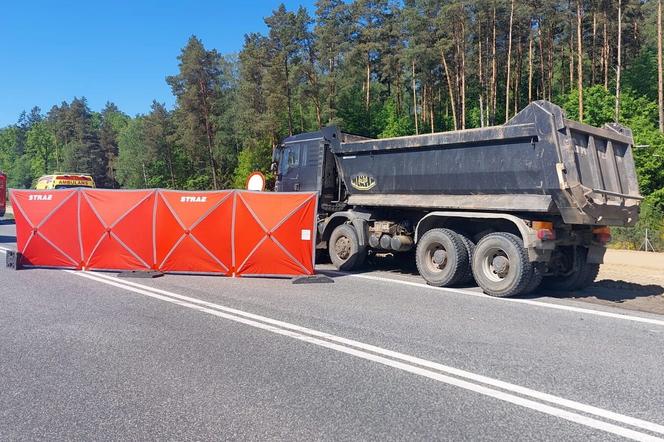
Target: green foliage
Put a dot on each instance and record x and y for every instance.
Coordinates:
(651, 218)
(641, 75)
(395, 125)
(133, 160)
(253, 158)
(15, 164)
(40, 147)
(598, 109)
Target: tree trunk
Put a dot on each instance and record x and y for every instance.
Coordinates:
(288, 98)
(423, 114)
(530, 63)
(368, 95)
(169, 155)
(550, 62)
(539, 36)
(571, 52)
(480, 73)
(417, 129)
(660, 67)
(431, 118)
(509, 65)
(517, 76)
(331, 92)
(462, 38)
(208, 132)
(606, 54)
(494, 73)
(579, 48)
(450, 90)
(593, 57)
(619, 64)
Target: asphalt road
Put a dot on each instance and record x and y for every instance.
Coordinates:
(89, 356)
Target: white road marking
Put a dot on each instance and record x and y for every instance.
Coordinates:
(569, 308)
(514, 300)
(381, 355)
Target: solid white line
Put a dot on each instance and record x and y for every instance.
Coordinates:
(568, 308)
(139, 288)
(514, 300)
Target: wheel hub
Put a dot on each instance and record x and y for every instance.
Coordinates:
(342, 247)
(439, 258)
(501, 265)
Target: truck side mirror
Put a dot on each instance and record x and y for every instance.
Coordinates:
(274, 166)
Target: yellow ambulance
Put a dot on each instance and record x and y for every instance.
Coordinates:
(64, 181)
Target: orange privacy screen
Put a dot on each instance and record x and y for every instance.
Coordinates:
(221, 232)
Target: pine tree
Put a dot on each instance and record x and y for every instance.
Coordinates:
(196, 88)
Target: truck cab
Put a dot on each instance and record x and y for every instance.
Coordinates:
(305, 163)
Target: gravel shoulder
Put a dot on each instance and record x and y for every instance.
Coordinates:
(628, 279)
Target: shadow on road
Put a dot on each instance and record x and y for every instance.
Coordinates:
(610, 291)
(615, 291)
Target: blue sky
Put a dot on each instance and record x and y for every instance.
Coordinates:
(118, 51)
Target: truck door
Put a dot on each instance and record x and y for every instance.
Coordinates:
(289, 168)
(300, 166)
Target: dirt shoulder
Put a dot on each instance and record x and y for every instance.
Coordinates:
(628, 279)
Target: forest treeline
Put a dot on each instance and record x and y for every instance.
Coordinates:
(374, 67)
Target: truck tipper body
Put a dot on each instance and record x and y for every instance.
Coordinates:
(509, 206)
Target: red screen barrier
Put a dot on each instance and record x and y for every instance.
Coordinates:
(277, 234)
(116, 229)
(194, 231)
(221, 232)
(47, 232)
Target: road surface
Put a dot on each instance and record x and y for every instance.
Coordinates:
(378, 355)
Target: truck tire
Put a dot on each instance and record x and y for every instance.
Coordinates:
(467, 278)
(589, 273)
(500, 265)
(344, 248)
(441, 257)
(536, 278)
(578, 279)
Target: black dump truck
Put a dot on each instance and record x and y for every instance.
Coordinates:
(509, 206)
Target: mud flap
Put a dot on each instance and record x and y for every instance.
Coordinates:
(595, 255)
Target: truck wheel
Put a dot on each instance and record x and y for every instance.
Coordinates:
(536, 278)
(574, 280)
(589, 273)
(344, 248)
(501, 265)
(441, 257)
(470, 249)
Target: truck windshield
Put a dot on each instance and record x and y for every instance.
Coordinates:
(290, 157)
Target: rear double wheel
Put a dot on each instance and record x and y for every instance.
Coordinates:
(441, 257)
(579, 274)
(501, 267)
